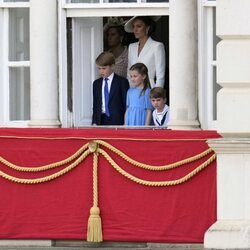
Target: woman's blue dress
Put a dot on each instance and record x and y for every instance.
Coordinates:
(137, 107)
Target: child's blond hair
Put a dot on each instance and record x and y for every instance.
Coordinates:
(105, 59)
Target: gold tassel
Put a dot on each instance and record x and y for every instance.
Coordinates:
(94, 225)
(94, 233)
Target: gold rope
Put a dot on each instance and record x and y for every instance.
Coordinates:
(94, 233)
(45, 167)
(93, 148)
(150, 167)
(156, 183)
(102, 138)
(95, 179)
(49, 177)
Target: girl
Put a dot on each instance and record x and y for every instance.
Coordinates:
(139, 107)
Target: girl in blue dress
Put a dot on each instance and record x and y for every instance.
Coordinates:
(139, 107)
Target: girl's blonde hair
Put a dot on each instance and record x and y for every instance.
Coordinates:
(142, 69)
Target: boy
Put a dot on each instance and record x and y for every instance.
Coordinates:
(161, 112)
(109, 93)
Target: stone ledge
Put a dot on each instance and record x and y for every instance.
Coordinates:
(104, 244)
(228, 234)
(230, 145)
(25, 243)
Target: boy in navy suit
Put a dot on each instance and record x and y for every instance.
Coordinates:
(109, 93)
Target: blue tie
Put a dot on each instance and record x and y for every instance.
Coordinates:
(106, 97)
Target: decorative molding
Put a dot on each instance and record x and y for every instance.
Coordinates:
(230, 145)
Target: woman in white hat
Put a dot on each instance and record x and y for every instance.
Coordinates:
(147, 50)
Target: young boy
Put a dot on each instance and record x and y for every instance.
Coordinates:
(161, 112)
(109, 93)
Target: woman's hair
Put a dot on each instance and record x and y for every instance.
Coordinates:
(105, 58)
(120, 30)
(157, 92)
(148, 22)
(142, 69)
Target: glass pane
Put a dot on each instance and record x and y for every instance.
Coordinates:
(19, 34)
(19, 97)
(216, 39)
(216, 88)
(83, 1)
(157, 1)
(116, 1)
(120, 1)
(16, 0)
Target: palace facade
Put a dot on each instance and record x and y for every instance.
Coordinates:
(48, 49)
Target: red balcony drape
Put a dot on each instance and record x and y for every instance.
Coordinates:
(59, 209)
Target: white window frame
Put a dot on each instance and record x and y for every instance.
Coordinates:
(206, 64)
(6, 64)
(92, 10)
(116, 9)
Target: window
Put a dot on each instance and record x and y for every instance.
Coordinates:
(19, 84)
(15, 66)
(208, 87)
(89, 16)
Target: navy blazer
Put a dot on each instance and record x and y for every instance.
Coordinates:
(117, 100)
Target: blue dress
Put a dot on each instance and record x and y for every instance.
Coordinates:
(137, 107)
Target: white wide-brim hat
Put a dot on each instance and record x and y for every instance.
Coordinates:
(129, 24)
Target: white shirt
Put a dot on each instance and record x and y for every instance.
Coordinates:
(158, 116)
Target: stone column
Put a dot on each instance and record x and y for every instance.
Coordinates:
(232, 229)
(183, 59)
(43, 63)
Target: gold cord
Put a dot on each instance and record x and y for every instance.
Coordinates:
(49, 177)
(104, 138)
(156, 183)
(150, 167)
(93, 147)
(45, 167)
(95, 179)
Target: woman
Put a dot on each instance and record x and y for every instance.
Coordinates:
(114, 34)
(147, 50)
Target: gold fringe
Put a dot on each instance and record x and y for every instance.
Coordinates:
(94, 226)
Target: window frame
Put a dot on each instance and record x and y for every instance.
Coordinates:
(206, 65)
(6, 65)
(114, 9)
(66, 10)
(121, 4)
